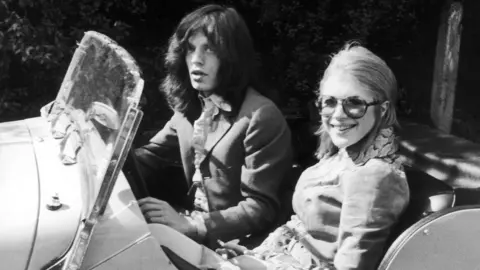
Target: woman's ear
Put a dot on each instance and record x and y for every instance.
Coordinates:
(384, 107)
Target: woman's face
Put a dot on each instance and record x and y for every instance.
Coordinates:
(202, 63)
(344, 130)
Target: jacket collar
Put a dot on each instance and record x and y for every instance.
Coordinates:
(384, 146)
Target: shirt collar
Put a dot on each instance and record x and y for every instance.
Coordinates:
(384, 146)
(218, 101)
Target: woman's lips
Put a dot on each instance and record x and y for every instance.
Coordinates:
(342, 127)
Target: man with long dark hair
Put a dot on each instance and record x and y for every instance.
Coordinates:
(233, 142)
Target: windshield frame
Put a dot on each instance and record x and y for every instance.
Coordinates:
(96, 126)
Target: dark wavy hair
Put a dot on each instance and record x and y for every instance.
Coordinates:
(229, 35)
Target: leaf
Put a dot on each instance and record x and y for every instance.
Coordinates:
(25, 3)
(29, 50)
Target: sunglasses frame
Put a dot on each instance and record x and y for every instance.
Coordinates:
(343, 100)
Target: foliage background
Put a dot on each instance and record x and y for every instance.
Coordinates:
(293, 38)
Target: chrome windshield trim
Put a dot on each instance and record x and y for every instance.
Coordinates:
(120, 151)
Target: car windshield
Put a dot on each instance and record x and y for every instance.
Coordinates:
(95, 113)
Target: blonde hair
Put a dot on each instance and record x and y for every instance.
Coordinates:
(371, 72)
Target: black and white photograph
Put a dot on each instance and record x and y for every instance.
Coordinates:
(239, 134)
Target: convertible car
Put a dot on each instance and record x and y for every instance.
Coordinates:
(66, 204)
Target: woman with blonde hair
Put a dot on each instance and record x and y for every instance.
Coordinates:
(345, 205)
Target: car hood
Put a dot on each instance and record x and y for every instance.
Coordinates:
(19, 194)
(33, 236)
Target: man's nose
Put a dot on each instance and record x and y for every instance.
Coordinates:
(197, 57)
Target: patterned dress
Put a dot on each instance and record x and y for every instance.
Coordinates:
(344, 209)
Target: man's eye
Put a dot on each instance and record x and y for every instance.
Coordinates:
(209, 49)
(190, 47)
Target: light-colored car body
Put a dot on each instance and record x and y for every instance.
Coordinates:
(65, 204)
(34, 237)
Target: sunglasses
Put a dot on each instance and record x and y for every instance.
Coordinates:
(353, 107)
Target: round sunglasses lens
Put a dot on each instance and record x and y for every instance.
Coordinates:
(354, 108)
(327, 106)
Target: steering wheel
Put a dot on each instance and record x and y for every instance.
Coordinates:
(134, 177)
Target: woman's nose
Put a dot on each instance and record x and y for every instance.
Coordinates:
(338, 111)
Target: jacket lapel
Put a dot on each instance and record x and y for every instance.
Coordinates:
(223, 125)
(185, 133)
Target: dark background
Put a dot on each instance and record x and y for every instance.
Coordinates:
(293, 38)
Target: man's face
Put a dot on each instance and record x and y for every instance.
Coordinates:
(202, 63)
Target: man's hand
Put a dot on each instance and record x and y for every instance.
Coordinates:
(158, 211)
